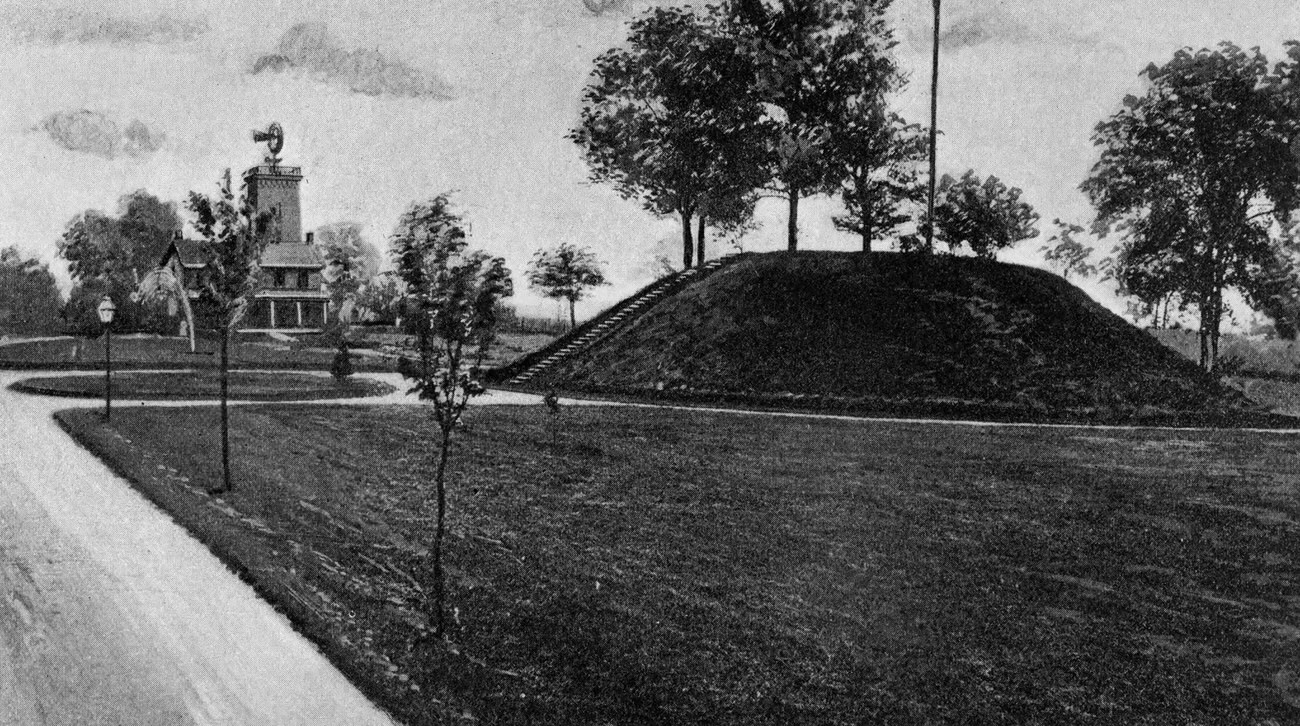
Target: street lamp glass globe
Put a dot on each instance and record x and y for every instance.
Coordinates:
(106, 310)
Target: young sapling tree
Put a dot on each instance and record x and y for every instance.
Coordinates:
(453, 292)
(231, 238)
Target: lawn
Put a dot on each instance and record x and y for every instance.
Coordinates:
(652, 566)
(251, 351)
(206, 384)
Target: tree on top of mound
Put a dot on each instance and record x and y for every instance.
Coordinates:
(670, 120)
(982, 215)
(878, 155)
(1195, 175)
(822, 68)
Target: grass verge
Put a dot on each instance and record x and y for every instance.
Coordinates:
(249, 351)
(206, 385)
(651, 566)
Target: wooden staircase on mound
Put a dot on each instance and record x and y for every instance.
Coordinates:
(585, 336)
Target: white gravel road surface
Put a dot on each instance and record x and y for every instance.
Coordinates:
(112, 614)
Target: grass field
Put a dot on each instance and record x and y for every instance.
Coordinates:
(206, 384)
(628, 565)
(248, 352)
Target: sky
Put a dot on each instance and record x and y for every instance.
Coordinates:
(387, 103)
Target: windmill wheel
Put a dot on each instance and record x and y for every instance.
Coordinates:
(273, 136)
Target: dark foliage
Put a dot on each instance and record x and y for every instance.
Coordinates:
(671, 120)
(982, 215)
(29, 297)
(110, 255)
(1193, 175)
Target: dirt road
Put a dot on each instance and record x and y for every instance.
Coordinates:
(111, 614)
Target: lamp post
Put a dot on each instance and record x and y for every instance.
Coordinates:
(106, 310)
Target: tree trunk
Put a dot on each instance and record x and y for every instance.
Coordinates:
(1214, 329)
(225, 412)
(573, 316)
(866, 234)
(792, 221)
(699, 240)
(1203, 332)
(688, 248)
(934, 132)
(424, 351)
(439, 584)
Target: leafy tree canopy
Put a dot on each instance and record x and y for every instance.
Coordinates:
(982, 215)
(350, 263)
(29, 297)
(1194, 174)
(454, 293)
(823, 68)
(878, 157)
(231, 239)
(565, 272)
(380, 299)
(1068, 253)
(109, 254)
(670, 119)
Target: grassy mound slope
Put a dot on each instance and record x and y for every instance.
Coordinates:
(899, 333)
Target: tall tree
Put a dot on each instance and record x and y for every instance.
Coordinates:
(380, 299)
(109, 254)
(455, 292)
(671, 120)
(815, 61)
(984, 216)
(565, 272)
(350, 263)
(1193, 174)
(231, 239)
(877, 155)
(29, 297)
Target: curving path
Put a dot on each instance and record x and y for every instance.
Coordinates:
(111, 614)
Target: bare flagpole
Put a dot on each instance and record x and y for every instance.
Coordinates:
(934, 131)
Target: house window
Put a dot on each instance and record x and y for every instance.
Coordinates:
(279, 278)
(304, 279)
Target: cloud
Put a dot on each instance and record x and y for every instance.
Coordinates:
(984, 25)
(93, 132)
(600, 7)
(58, 26)
(312, 48)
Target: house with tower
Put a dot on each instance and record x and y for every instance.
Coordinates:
(292, 296)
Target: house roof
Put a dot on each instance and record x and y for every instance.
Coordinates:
(291, 254)
(283, 254)
(189, 252)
